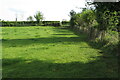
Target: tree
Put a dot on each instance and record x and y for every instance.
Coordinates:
(106, 16)
(88, 17)
(39, 17)
(72, 18)
(30, 18)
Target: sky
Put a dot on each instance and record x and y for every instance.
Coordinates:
(52, 10)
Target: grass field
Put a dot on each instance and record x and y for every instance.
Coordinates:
(50, 52)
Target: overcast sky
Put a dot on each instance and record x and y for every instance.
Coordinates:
(51, 9)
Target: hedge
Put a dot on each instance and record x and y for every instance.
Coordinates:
(65, 23)
(51, 23)
(29, 23)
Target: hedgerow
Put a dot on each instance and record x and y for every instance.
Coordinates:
(29, 23)
(101, 24)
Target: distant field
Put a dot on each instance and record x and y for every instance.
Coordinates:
(50, 52)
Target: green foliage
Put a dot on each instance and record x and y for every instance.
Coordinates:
(85, 18)
(72, 20)
(30, 18)
(85, 21)
(107, 14)
(107, 20)
(39, 17)
(113, 19)
(99, 23)
(30, 23)
(51, 23)
(78, 19)
(112, 37)
(108, 17)
(88, 16)
(18, 23)
(72, 13)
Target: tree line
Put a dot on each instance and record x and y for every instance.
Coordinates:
(101, 23)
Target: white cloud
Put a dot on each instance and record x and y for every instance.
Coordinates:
(52, 9)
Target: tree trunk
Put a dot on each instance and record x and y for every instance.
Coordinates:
(103, 35)
(118, 50)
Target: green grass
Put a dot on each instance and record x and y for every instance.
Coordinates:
(50, 52)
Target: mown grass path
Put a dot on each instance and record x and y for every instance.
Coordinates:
(50, 52)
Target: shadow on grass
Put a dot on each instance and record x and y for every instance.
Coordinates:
(97, 45)
(62, 34)
(20, 68)
(108, 52)
(22, 42)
